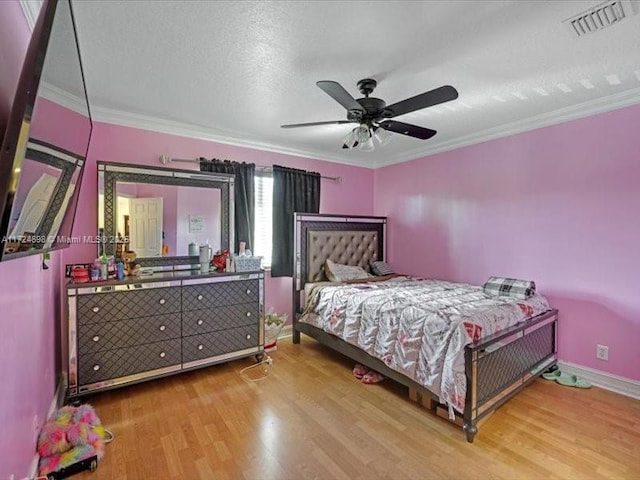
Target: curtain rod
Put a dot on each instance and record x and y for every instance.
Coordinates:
(166, 159)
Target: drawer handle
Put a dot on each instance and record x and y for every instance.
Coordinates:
(248, 314)
(95, 309)
(248, 291)
(200, 297)
(162, 328)
(96, 368)
(162, 354)
(248, 336)
(200, 347)
(162, 301)
(200, 322)
(96, 338)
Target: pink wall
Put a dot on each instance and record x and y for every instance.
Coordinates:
(131, 145)
(30, 306)
(197, 201)
(558, 205)
(29, 302)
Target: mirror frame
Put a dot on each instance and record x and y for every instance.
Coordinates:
(121, 172)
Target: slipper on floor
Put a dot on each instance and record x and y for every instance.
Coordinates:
(360, 371)
(372, 377)
(572, 381)
(553, 375)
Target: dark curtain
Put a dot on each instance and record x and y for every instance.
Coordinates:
(244, 194)
(293, 191)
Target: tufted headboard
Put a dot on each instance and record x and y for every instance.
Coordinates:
(351, 240)
(349, 247)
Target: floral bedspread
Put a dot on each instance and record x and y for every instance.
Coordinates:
(416, 326)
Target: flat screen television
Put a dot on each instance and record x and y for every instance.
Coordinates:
(45, 142)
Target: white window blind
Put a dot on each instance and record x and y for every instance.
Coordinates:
(264, 215)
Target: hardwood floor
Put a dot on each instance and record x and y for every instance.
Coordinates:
(312, 419)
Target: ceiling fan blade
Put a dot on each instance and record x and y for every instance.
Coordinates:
(313, 124)
(340, 95)
(407, 129)
(424, 100)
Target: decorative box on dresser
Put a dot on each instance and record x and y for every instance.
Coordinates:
(124, 332)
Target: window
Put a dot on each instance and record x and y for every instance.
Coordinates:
(264, 215)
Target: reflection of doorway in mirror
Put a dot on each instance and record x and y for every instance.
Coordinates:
(35, 205)
(145, 226)
(122, 244)
(123, 213)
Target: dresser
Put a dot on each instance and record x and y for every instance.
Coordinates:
(123, 332)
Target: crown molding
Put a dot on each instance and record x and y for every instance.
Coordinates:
(126, 119)
(134, 120)
(63, 98)
(31, 9)
(562, 115)
(585, 109)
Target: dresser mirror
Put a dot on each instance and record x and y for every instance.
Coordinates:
(158, 213)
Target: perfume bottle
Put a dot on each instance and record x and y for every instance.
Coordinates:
(104, 268)
(120, 270)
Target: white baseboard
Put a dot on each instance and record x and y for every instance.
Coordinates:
(33, 469)
(56, 402)
(286, 331)
(58, 398)
(608, 381)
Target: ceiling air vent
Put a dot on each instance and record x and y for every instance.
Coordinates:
(599, 17)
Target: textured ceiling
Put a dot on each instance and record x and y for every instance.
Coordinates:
(236, 71)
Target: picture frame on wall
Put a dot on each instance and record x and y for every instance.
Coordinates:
(196, 223)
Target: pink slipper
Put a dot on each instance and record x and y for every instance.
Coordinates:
(372, 377)
(360, 371)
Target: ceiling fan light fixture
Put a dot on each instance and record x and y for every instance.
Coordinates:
(362, 133)
(382, 136)
(367, 146)
(349, 141)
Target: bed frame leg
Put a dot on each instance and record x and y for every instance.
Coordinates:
(295, 336)
(470, 431)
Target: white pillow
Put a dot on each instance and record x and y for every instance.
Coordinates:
(336, 272)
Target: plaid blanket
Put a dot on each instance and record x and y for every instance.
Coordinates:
(509, 287)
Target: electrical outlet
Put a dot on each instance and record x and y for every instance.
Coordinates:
(602, 352)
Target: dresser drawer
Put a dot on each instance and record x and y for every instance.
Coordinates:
(207, 345)
(110, 364)
(221, 318)
(107, 307)
(219, 294)
(95, 337)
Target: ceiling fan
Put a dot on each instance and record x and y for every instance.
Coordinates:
(373, 114)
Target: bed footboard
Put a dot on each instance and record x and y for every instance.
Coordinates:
(503, 364)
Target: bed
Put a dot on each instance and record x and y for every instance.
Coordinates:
(486, 368)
